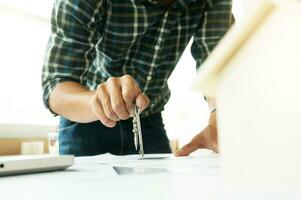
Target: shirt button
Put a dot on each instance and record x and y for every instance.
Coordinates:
(157, 47)
(149, 78)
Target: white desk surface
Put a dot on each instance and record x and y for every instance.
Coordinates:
(196, 177)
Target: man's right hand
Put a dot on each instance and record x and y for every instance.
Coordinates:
(115, 98)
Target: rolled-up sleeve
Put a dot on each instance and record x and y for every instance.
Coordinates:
(71, 46)
(216, 22)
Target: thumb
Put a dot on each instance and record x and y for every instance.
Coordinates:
(191, 147)
(142, 101)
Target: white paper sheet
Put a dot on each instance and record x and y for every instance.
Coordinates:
(204, 162)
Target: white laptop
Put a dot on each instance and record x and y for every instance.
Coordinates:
(13, 165)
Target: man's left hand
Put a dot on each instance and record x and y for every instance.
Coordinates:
(207, 139)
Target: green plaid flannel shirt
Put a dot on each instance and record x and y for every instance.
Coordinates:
(93, 40)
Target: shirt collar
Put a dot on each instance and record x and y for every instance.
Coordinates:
(177, 3)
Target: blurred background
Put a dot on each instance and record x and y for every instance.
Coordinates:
(25, 27)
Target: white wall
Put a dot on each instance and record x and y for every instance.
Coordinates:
(24, 35)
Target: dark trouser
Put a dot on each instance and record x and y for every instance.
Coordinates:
(95, 138)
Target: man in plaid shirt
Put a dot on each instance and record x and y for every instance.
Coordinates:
(105, 55)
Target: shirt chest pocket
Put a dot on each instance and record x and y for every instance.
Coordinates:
(120, 36)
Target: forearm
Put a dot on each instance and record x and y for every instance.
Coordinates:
(73, 101)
